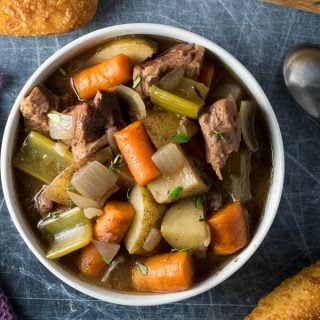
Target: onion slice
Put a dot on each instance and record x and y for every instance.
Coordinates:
(171, 79)
(114, 264)
(91, 213)
(153, 239)
(94, 180)
(137, 108)
(111, 140)
(61, 126)
(107, 250)
(247, 123)
(83, 202)
(169, 159)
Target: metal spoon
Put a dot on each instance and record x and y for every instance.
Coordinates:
(301, 72)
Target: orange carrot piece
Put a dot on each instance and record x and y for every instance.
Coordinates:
(169, 272)
(113, 224)
(103, 76)
(136, 148)
(206, 74)
(90, 262)
(229, 231)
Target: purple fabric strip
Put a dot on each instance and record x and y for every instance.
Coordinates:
(6, 312)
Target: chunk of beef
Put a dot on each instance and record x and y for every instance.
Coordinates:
(92, 121)
(35, 107)
(184, 55)
(221, 130)
(42, 204)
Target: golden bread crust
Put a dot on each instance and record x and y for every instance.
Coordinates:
(297, 298)
(44, 17)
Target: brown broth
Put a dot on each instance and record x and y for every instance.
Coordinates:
(120, 279)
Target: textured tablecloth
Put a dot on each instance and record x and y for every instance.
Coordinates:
(259, 35)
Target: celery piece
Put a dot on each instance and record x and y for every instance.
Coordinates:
(68, 231)
(191, 90)
(174, 103)
(40, 157)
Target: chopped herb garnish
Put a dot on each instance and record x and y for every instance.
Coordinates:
(184, 249)
(54, 215)
(136, 81)
(199, 202)
(180, 138)
(142, 268)
(175, 192)
(63, 72)
(197, 91)
(218, 134)
(54, 117)
(202, 219)
(106, 260)
(70, 188)
(116, 163)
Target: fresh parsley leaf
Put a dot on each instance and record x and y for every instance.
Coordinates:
(202, 219)
(106, 260)
(175, 192)
(70, 188)
(199, 202)
(54, 117)
(63, 72)
(116, 163)
(218, 134)
(142, 268)
(180, 138)
(136, 81)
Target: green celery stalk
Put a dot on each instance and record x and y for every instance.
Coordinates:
(174, 103)
(191, 90)
(68, 231)
(38, 157)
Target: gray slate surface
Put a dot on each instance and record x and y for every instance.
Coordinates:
(259, 35)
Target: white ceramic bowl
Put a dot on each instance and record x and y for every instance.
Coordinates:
(93, 39)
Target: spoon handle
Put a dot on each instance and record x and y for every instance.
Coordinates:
(307, 5)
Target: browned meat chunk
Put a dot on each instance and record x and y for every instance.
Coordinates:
(35, 107)
(184, 55)
(221, 130)
(92, 121)
(42, 204)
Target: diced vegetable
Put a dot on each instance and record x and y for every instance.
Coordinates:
(170, 272)
(69, 231)
(90, 262)
(183, 226)
(192, 90)
(113, 224)
(206, 73)
(187, 178)
(247, 121)
(136, 106)
(136, 48)
(148, 215)
(83, 202)
(171, 79)
(93, 180)
(91, 213)
(57, 189)
(153, 239)
(169, 159)
(103, 76)
(61, 149)
(39, 158)
(61, 125)
(136, 148)
(229, 229)
(107, 250)
(114, 264)
(174, 103)
(224, 90)
(161, 125)
(237, 176)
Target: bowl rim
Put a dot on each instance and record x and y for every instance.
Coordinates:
(90, 40)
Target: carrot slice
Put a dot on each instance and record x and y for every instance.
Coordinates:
(135, 146)
(206, 74)
(105, 75)
(90, 262)
(113, 224)
(170, 272)
(229, 231)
